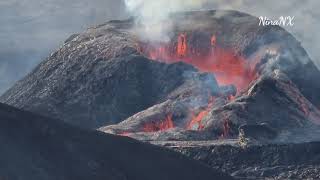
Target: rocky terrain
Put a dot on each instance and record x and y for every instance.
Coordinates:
(272, 161)
(38, 148)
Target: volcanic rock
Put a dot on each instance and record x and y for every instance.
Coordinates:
(272, 161)
(257, 133)
(274, 100)
(38, 148)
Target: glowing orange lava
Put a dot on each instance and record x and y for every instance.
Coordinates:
(159, 125)
(125, 134)
(196, 120)
(213, 40)
(182, 45)
(228, 67)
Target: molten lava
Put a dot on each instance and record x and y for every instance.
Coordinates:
(159, 125)
(125, 134)
(213, 41)
(207, 56)
(182, 45)
(196, 120)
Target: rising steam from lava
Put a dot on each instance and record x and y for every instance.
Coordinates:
(150, 14)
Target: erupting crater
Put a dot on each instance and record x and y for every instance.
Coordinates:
(203, 51)
(232, 72)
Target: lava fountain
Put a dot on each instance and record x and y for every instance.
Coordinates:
(203, 52)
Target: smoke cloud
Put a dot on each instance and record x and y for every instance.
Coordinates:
(150, 14)
(150, 10)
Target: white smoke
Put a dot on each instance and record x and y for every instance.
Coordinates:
(160, 9)
(154, 15)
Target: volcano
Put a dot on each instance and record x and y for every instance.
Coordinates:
(221, 89)
(219, 70)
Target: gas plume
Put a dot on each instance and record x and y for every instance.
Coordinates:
(154, 15)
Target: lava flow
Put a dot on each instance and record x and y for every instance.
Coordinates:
(196, 120)
(203, 52)
(159, 125)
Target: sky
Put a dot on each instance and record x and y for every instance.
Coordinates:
(31, 29)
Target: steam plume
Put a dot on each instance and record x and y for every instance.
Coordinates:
(151, 13)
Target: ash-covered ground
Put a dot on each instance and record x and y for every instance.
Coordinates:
(39, 148)
(270, 161)
(220, 78)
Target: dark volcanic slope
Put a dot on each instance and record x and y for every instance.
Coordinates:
(96, 80)
(91, 92)
(36, 148)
